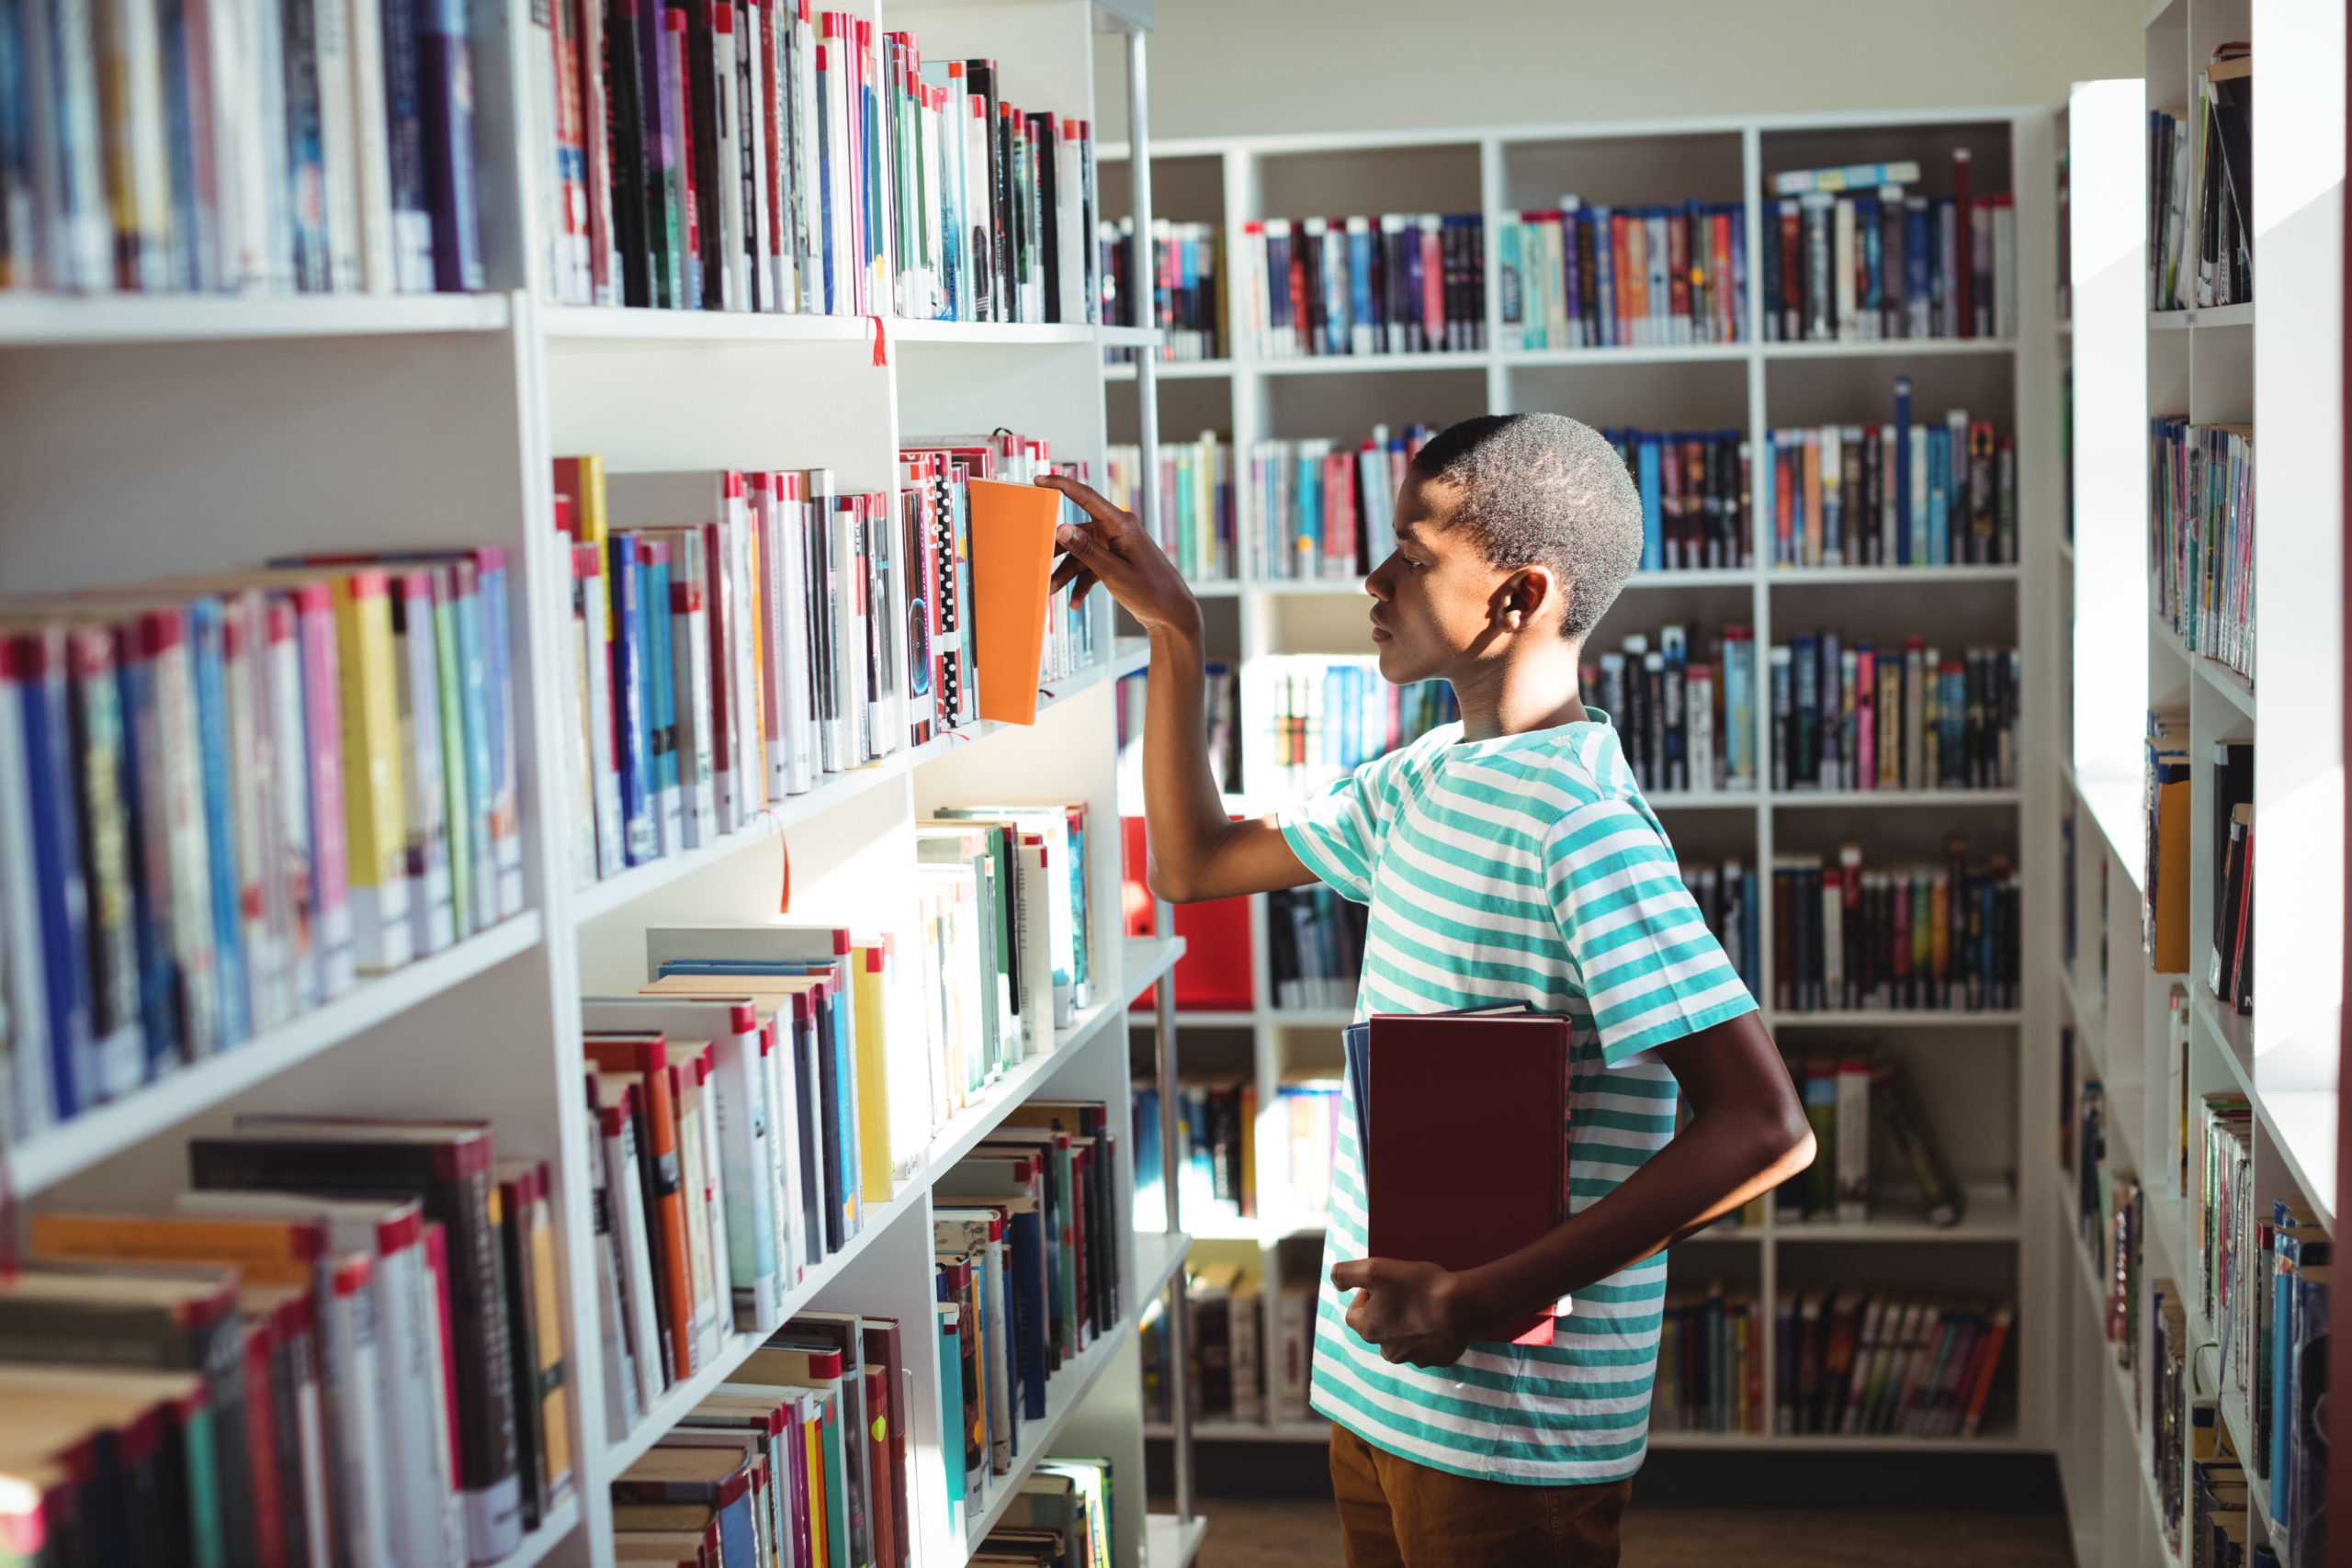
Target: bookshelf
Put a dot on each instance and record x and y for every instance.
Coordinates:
(2273, 363)
(149, 435)
(1984, 1076)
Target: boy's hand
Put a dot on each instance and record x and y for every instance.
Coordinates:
(1413, 1312)
(1114, 551)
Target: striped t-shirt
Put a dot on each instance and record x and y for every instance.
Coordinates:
(1525, 868)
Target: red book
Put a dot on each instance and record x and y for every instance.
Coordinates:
(1963, 274)
(1463, 1122)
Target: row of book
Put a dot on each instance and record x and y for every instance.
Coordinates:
(1313, 717)
(1890, 266)
(739, 635)
(1398, 283)
(2166, 792)
(2201, 190)
(1866, 718)
(768, 159)
(1580, 276)
(1729, 903)
(2229, 962)
(1935, 938)
(1710, 1372)
(318, 146)
(224, 798)
(1695, 497)
(1894, 494)
(1315, 942)
(1217, 1130)
(1864, 1115)
(2201, 502)
(1197, 522)
(1250, 1354)
(2109, 1206)
(344, 1341)
(1221, 702)
(1186, 287)
(1684, 723)
(1861, 1361)
(1325, 509)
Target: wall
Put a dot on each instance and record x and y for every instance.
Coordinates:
(1229, 67)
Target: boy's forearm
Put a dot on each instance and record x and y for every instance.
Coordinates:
(1183, 807)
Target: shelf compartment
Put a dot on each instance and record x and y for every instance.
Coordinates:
(1172, 1542)
(1894, 1017)
(72, 1147)
(29, 319)
(1848, 799)
(1991, 1216)
(2234, 687)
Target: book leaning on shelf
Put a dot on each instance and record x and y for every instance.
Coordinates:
(1863, 717)
(2201, 190)
(316, 147)
(1196, 502)
(1186, 285)
(1252, 1354)
(1322, 509)
(739, 637)
(1312, 718)
(1934, 938)
(766, 158)
(366, 1313)
(1857, 1362)
(223, 798)
(1584, 276)
(1709, 1373)
(1893, 264)
(1902, 493)
(1860, 1104)
(1695, 487)
(1400, 283)
(2201, 502)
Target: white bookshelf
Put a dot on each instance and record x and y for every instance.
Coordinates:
(140, 436)
(2275, 362)
(1984, 1076)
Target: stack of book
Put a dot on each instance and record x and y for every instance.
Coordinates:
(1025, 1237)
(739, 636)
(751, 158)
(1857, 716)
(1894, 494)
(1251, 1354)
(1216, 1121)
(1325, 509)
(1186, 285)
(344, 1341)
(2201, 190)
(1684, 723)
(2202, 503)
(1728, 901)
(318, 147)
(1695, 497)
(1710, 1375)
(2229, 963)
(1400, 283)
(222, 797)
(803, 1453)
(1586, 277)
(1856, 1103)
(1196, 502)
(1889, 263)
(1061, 1516)
(1933, 938)
(1857, 1362)
(1315, 717)
(1314, 948)
(1220, 713)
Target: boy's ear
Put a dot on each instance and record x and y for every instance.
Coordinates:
(1531, 597)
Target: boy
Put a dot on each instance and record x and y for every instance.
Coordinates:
(1506, 858)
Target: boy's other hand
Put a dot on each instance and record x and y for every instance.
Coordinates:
(1413, 1312)
(1113, 550)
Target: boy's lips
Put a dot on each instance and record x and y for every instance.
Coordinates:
(1379, 632)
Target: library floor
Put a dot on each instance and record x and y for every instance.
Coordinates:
(1257, 1533)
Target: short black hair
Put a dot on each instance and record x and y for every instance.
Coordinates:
(1542, 489)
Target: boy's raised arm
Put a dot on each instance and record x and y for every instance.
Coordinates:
(1196, 853)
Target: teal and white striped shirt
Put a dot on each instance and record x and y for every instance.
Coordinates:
(1525, 868)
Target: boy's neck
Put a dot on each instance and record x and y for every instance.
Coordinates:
(1532, 688)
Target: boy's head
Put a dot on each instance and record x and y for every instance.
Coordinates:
(1513, 531)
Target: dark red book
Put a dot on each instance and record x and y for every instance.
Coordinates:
(1463, 1124)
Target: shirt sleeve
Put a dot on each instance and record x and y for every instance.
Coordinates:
(1337, 833)
(1650, 968)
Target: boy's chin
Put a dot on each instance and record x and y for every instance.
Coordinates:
(1398, 666)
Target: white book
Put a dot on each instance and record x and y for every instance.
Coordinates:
(690, 672)
(1853, 1153)
(1919, 496)
(230, 48)
(356, 1414)
(632, 1253)
(291, 894)
(846, 563)
(1245, 1327)
(611, 857)
(694, 1190)
(980, 221)
(372, 150)
(722, 1262)
(1699, 727)
(1033, 933)
(69, 181)
(1069, 181)
(782, 1062)
(1832, 944)
(546, 180)
(580, 753)
(24, 993)
(1889, 549)
(795, 653)
(621, 1407)
(763, 140)
(2004, 271)
(244, 690)
(416, 670)
(734, 256)
(1293, 1318)
(1841, 263)
(338, 140)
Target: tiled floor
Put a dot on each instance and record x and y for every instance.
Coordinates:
(1255, 1534)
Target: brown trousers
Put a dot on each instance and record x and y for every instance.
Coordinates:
(1397, 1514)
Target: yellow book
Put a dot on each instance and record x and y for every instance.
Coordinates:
(375, 817)
(870, 990)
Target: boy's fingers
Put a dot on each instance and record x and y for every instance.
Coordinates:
(1363, 1272)
(1091, 500)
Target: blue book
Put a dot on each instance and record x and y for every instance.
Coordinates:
(951, 1406)
(1831, 691)
(662, 700)
(444, 54)
(1866, 235)
(159, 979)
(1740, 270)
(495, 615)
(1604, 266)
(1939, 466)
(1804, 712)
(1902, 470)
(1362, 320)
(629, 696)
(1951, 727)
(1739, 706)
(205, 634)
(1652, 530)
(36, 664)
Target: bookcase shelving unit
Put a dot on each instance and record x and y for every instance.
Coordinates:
(2274, 363)
(145, 437)
(1984, 1076)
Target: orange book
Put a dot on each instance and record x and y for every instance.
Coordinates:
(646, 1057)
(264, 1252)
(1012, 556)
